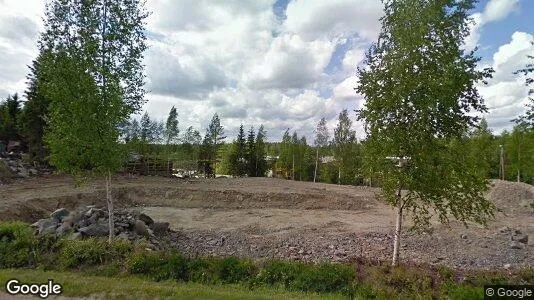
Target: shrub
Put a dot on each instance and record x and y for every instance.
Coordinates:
(203, 270)
(326, 277)
(234, 270)
(90, 252)
(280, 272)
(16, 244)
(159, 265)
(453, 291)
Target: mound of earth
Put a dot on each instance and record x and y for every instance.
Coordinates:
(512, 197)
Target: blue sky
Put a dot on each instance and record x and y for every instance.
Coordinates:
(281, 63)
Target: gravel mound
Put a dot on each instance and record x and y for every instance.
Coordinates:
(512, 197)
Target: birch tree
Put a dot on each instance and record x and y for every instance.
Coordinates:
(94, 82)
(421, 98)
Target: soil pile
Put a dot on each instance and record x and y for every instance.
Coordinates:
(512, 197)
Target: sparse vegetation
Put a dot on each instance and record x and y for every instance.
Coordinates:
(361, 279)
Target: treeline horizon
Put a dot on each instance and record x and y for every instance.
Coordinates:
(331, 157)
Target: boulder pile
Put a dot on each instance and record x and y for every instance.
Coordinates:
(20, 170)
(92, 221)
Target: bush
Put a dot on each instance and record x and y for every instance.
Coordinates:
(305, 277)
(90, 252)
(280, 272)
(159, 265)
(325, 278)
(452, 291)
(234, 270)
(16, 245)
(203, 270)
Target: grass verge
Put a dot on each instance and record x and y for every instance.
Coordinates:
(76, 284)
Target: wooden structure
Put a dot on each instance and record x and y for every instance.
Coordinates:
(149, 166)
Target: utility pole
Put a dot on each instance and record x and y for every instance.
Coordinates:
(316, 161)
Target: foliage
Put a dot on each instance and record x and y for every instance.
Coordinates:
(346, 150)
(94, 79)
(237, 155)
(35, 112)
(528, 70)
(90, 252)
(16, 243)
(171, 127)
(209, 150)
(420, 91)
(10, 113)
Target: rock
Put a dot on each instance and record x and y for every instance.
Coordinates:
(146, 219)
(64, 229)
(45, 225)
(48, 230)
(123, 236)
(507, 266)
(523, 238)
(95, 229)
(141, 228)
(95, 213)
(23, 172)
(516, 245)
(463, 236)
(60, 214)
(160, 228)
(504, 229)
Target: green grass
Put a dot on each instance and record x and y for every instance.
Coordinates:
(126, 287)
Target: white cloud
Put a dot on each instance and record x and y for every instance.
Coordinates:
(291, 62)
(495, 10)
(314, 19)
(506, 93)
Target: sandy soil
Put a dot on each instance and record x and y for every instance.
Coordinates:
(265, 217)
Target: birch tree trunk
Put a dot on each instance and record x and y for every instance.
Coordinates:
(398, 227)
(110, 207)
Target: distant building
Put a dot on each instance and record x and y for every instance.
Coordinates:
(328, 159)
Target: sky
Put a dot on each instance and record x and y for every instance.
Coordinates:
(280, 63)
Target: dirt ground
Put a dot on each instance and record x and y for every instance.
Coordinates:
(266, 217)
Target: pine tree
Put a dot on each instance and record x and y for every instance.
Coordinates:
(171, 127)
(251, 153)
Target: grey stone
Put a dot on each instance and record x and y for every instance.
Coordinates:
(523, 238)
(95, 213)
(59, 214)
(160, 228)
(45, 225)
(141, 228)
(64, 229)
(48, 230)
(146, 219)
(96, 229)
(123, 236)
(504, 229)
(516, 245)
